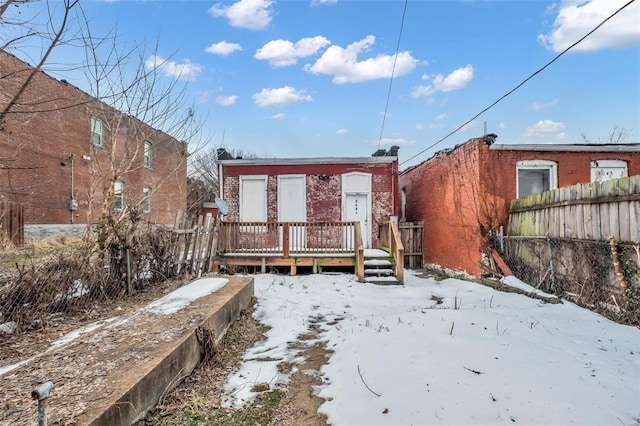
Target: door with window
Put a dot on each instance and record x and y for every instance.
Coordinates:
(357, 210)
(292, 207)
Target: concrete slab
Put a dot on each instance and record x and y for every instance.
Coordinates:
(114, 373)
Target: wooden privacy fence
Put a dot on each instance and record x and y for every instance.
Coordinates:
(12, 221)
(193, 245)
(588, 211)
(411, 234)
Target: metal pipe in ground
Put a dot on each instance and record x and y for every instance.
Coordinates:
(41, 393)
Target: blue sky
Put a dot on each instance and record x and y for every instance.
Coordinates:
(311, 78)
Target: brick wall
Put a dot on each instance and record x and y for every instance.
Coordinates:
(463, 193)
(36, 144)
(323, 188)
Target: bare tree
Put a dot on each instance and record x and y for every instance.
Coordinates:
(56, 31)
(617, 135)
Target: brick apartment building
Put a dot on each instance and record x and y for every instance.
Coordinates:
(63, 153)
(363, 189)
(464, 193)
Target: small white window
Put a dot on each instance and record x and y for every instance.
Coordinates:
(146, 159)
(253, 198)
(96, 132)
(146, 200)
(118, 196)
(536, 176)
(602, 170)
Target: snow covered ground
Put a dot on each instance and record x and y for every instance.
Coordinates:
(451, 352)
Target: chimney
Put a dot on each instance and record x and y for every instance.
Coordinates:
(393, 151)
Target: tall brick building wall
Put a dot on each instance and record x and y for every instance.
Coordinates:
(463, 193)
(323, 181)
(47, 157)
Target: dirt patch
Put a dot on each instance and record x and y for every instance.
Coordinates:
(300, 404)
(198, 400)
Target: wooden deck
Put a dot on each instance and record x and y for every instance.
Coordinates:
(290, 244)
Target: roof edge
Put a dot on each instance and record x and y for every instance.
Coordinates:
(631, 147)
(309, 160)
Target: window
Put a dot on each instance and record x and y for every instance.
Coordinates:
(146, 200)
(535, 176)
(602, 170)
(118, 195)
(253, 198)
(96, 132)
(146, 159)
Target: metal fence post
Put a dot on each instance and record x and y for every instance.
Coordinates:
(41, 394)
(501, 239)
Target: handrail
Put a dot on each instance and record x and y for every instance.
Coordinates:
(287, 238)
(397, 249)
(359, 248)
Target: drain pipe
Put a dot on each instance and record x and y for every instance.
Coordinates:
(41, 394)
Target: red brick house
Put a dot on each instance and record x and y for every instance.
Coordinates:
(63, 153)
(463, 194)
(313, 190)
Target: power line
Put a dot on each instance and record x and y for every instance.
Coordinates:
(522, 83)
(393, 70)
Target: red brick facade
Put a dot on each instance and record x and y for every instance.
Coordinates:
(47, 157)
(323, 179)
(464, 193)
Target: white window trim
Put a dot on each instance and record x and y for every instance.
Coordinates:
(240, 206)
(609, 164)
(94, 121)
(146, 159)
(118, 194)
(552, 166)
(146, 199)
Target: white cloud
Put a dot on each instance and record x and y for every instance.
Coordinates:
(278, 116)
(442, 117)
(343, 65)
(279, 97)
(576, 18)
(184, 71)
(226, 100)
(321, 2)
(223, 48)
(439, 83)
(421, 126)
(502, 125)
(282, 53)
(544, 129)
(343, 131)
(250, 14)
(538, 106)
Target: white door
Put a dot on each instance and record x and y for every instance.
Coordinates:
(357, 210)
(292, 207)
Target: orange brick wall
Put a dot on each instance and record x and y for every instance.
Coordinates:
(36, 140)
(463, 193)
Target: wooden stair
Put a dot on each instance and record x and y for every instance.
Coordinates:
(379, 268)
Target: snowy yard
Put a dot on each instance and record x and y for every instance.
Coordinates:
(449, 352)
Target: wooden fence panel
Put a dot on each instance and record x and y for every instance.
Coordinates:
(412, 236)
(12, 221)
(591, 211)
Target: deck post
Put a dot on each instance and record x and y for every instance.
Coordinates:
(285, 240)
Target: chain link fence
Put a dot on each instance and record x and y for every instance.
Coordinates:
(583, 271)
(40, 284)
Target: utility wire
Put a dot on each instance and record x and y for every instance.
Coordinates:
(393, 70)
(522, 83)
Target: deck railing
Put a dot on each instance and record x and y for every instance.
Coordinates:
(389, 239)
(288, 238)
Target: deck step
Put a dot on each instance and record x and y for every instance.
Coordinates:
(378, 271)
(382, 280)
(377, 262)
